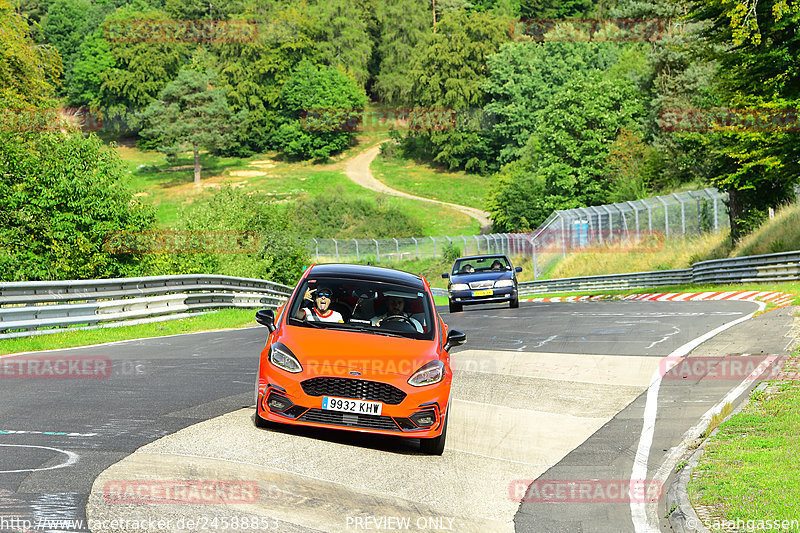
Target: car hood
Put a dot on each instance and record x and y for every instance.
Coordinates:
(481, 276)
(327, 352)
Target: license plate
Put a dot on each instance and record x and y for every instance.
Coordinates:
(487, 292)
(351, 406)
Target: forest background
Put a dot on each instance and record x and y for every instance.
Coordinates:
(552, 111)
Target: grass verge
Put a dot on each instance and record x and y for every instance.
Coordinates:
(223, 319)
(749, 470)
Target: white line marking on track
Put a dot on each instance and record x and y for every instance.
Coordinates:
(639, 513)
(72, 458)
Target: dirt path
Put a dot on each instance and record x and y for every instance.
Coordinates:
(357, 169)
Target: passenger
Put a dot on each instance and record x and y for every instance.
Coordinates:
(497, 265)
(395, 310)
(321, 312)
(468, 269)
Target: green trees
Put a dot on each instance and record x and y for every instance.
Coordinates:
(757, 45)
(61, 197)
(309, 91)
(564, 162)
(190, 113)
(404, 24)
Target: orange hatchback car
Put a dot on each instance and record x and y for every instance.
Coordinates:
(359, 348)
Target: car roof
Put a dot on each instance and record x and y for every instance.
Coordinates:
(486, 256)
(367, 272)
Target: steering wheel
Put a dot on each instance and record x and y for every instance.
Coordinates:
(397, 318)
(398, 323)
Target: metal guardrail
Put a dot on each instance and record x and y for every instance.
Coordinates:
(756, 268)
(769, 267)
(42, 307)
(636, 280)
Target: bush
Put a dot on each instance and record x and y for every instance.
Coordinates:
(61, 197)
(269, 245)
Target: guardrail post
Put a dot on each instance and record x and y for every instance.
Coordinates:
(377, 251)
(416, 248)
(358, 257)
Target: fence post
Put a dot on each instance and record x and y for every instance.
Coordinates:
(563, 239)
(477, 245)
(683, 214)
(316, 249)
(336, 245)
(416, 248)
(397, 247)
(666, 215)
(358, 256)
(377, 252)
(434, 247)
(465, 245)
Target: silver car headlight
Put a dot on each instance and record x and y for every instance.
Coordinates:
(504, 283)
(428, 374)
(283, 358)
(459, 287)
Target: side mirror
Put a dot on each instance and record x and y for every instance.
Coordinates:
(518, 269)
(454, 338)
(446, 275)
(266, 317)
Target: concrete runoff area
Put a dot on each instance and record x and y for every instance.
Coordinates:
(321, 479)
(533, 388)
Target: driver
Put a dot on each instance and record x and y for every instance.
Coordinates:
(321, 312)
(395, 310)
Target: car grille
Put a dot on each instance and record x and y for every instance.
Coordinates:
(320, 416)
(358, 389)
(486, 284)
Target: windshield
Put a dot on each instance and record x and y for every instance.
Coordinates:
(481, 264)
(361, 305)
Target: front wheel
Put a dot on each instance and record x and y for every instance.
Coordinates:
(435, 446)
(514, 303)
(454, 307)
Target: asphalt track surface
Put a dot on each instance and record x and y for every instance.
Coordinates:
(549, 391)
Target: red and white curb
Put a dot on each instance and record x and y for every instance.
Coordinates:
(780, 299)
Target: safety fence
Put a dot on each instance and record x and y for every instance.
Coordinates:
(751, 269)
(641, 224)
(40, 307)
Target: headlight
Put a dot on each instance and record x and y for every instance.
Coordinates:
(429, 374)
(459, 287)
(283, 358)
(504, 283)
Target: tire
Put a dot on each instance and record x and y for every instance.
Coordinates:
(514, 304)
(435, 446)
(455, 308)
